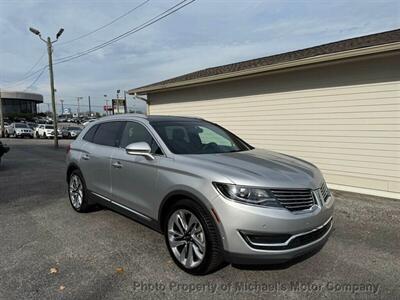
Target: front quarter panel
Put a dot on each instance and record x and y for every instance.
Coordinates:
(176, 176)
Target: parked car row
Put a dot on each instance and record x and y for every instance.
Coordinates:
(21, 130)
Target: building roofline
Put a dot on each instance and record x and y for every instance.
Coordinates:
(21, 95)
(356, 47)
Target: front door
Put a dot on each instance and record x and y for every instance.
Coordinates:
(133, 177)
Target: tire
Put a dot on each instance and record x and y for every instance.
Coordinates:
(207, 238)
(6, 134)
(80, 205)
(37, 135)
(44, 135)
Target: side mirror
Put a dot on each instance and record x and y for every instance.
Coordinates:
(140, 148)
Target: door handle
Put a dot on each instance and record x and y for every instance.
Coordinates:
(117, 165)
(85, 157)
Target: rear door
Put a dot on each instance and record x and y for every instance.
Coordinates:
(96, 158)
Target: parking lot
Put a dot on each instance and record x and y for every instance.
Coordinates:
(48, 251)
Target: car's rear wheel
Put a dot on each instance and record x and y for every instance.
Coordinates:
(77, 192)
(192, 238)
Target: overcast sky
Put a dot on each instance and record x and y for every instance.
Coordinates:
(203, 34)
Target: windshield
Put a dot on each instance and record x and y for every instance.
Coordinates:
(19, 125)
(49, 127)
(74, 128)
(198, 137)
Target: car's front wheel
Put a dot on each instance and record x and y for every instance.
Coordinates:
(77, 192)
(192, 238)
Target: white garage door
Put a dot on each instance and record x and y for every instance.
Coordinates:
(351, 132)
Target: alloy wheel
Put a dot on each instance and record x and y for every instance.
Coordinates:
(186, 238)
(76, 191)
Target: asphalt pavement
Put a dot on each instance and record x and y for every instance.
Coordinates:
(48, 251)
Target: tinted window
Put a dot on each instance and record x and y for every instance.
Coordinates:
(19, 125)
(49, 127)
(198, 137)
(134, 133)
(108, 134)
(90, 134)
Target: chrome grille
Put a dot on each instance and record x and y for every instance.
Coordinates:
(325, 191)
(294, 199)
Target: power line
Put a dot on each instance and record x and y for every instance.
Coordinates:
(144, 25)
(151, 21)
(105, 25)
(37, 62)
(27, 77)
(27, 74)
(36, 79)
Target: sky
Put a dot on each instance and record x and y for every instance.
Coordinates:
(203, 34)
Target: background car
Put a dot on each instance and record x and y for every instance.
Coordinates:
(46, 131)
(71, 132)
(31, 125)
(18, 130)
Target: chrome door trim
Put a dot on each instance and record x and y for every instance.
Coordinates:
(123, 206)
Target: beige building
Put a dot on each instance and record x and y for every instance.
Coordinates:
(336, 105)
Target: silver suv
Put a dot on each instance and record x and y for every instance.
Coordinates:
(214, 197)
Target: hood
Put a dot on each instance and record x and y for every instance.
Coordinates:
(23, 129)
(260, 167)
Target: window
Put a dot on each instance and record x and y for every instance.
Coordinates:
(198, 137)
(90, 134)
(108, 134)
(21, 125)
(134, 133)
(49, 127)
(208, 136)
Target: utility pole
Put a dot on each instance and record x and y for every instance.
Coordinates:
(1, 117)
(79, 107)
(105, 98)
(49, 44)
(62, 107)
(125, 104)
(90, 107)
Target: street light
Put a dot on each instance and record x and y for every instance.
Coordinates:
(49, 44)
(34, 31)
(59, 33)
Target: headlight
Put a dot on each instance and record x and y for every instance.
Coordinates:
(247, 195)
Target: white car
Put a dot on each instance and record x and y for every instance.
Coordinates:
(46, 131)
(88, 122)
(18, 130)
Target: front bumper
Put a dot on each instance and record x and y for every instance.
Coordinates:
(292, 233)
(51, 135)
(23, 134)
